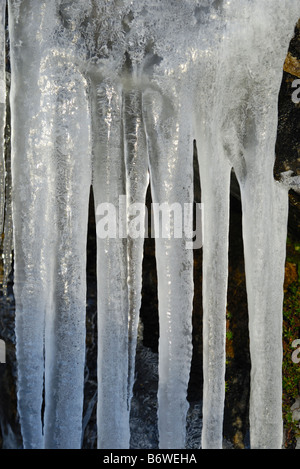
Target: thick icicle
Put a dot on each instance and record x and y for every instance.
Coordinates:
(65, 316)
(264, 230)
(167, 114)
(237, 121)
(50, 154)
(265, 209)
(108, 185)
(170, 156)
(255, 38)
(215, 169)
(137, 180)
(67, 133)
(29, 196)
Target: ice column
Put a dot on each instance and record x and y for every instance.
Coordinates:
(108, 185)
(215, 184)
(30, 284)
(215, 169)
(170, 150)
(209, 70)
(51, 180)
(265, 210)
(241, 124)
(166, 120)
(137, 180)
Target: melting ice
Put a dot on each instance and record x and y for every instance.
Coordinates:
(113, 93)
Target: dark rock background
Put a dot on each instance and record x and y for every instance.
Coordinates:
(288, 138)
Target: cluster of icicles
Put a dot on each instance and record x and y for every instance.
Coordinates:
(112, 94)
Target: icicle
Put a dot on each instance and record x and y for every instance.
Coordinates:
(265, 211)
(237, 117)
(137, 179)
(50, 155)
(72, 99)
(215, 183)
(108, 184)
(248, 110)
(170, 157)
(215, 169)
(65, 316)
(29, 288)
(166, 104)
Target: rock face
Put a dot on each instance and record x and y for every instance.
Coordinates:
(296, 417)
(288, 142)
(10, 436)
(287, 148)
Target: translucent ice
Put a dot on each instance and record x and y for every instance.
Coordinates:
(113, 93)
(51, 179)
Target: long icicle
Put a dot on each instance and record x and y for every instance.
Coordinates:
(108, 184)
(215, 185)
(171, 188)
(137, 180)
(30, 271)
(50, 154)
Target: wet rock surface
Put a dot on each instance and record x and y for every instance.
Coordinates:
(287, 146)
(288, 136)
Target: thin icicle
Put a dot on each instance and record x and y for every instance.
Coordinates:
(108, 185)
(215, 185)
(5, 202)
(174, 262)
(137, 179)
